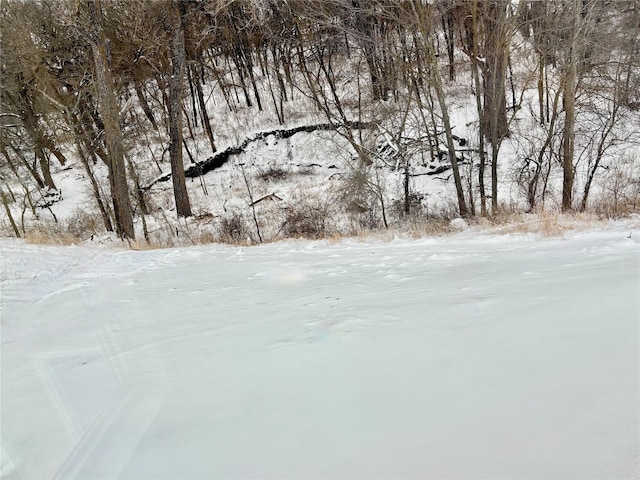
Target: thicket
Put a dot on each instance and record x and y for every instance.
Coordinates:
(90, 78)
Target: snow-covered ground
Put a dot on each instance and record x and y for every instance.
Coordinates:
(461, 357)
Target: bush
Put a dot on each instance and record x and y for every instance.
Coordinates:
(309, 217)
(416, 207)
(362, 196)
(233, 229)
(84, 224)
(620, 189)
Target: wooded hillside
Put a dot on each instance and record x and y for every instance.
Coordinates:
(132, 92)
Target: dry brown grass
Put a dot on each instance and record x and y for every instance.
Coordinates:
(318, 223)
(423, 227)
(47, 236)
(543, 223)
(617, 209)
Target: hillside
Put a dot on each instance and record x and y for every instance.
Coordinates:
(354, 117)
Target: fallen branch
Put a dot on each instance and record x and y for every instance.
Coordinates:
(271, 196)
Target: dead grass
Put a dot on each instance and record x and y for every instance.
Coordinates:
(315, 221)
(423, 227)
(544, 223)
(617, 209)
(47, 236)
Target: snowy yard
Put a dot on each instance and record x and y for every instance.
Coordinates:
(460, 357)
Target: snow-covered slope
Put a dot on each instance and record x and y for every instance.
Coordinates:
(486, 357)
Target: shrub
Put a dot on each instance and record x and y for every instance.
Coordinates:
(309, 217)
(83, 224)
(233, 229)
(416, 207)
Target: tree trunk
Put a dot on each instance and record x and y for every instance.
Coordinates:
(448, 28)
(30, 168)
(204, 114)
(495, 148)
(145, 105)
(7, 210)
(419, 16)
(407, 193)
(183, 206)
(110, 117)
(541, 69)
(452, 152)
(494, 73)
(478, 96)
(106, 220)
(437, 85)
(31, 124)
(44, 167)
(568, 134)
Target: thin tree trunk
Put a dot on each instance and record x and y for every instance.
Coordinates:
(514, 101)
(30, 168)
(32, 127)
(437, 85)
(5, 203)
(495, 148)
(183, 206)
(44, 167)
(192, 95)
(249, 66)
(95, 188)
(27, 195)
(144, 210)
(568, 134)
(478, 96)
(204, 114)
(276, 67)
(541, 69)
(407, 200)
(278, 108)
(145, 105)
(419, 14)
(49, 145)
(547, 143)
(448, 28)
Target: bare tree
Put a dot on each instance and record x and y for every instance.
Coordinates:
(111, 119)
(183, 206)
(419, 18)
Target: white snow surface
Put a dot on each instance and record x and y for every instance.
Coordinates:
(461, 357)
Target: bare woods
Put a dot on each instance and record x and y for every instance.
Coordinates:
(88, 78)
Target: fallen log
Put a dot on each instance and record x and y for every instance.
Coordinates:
(220, 158)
